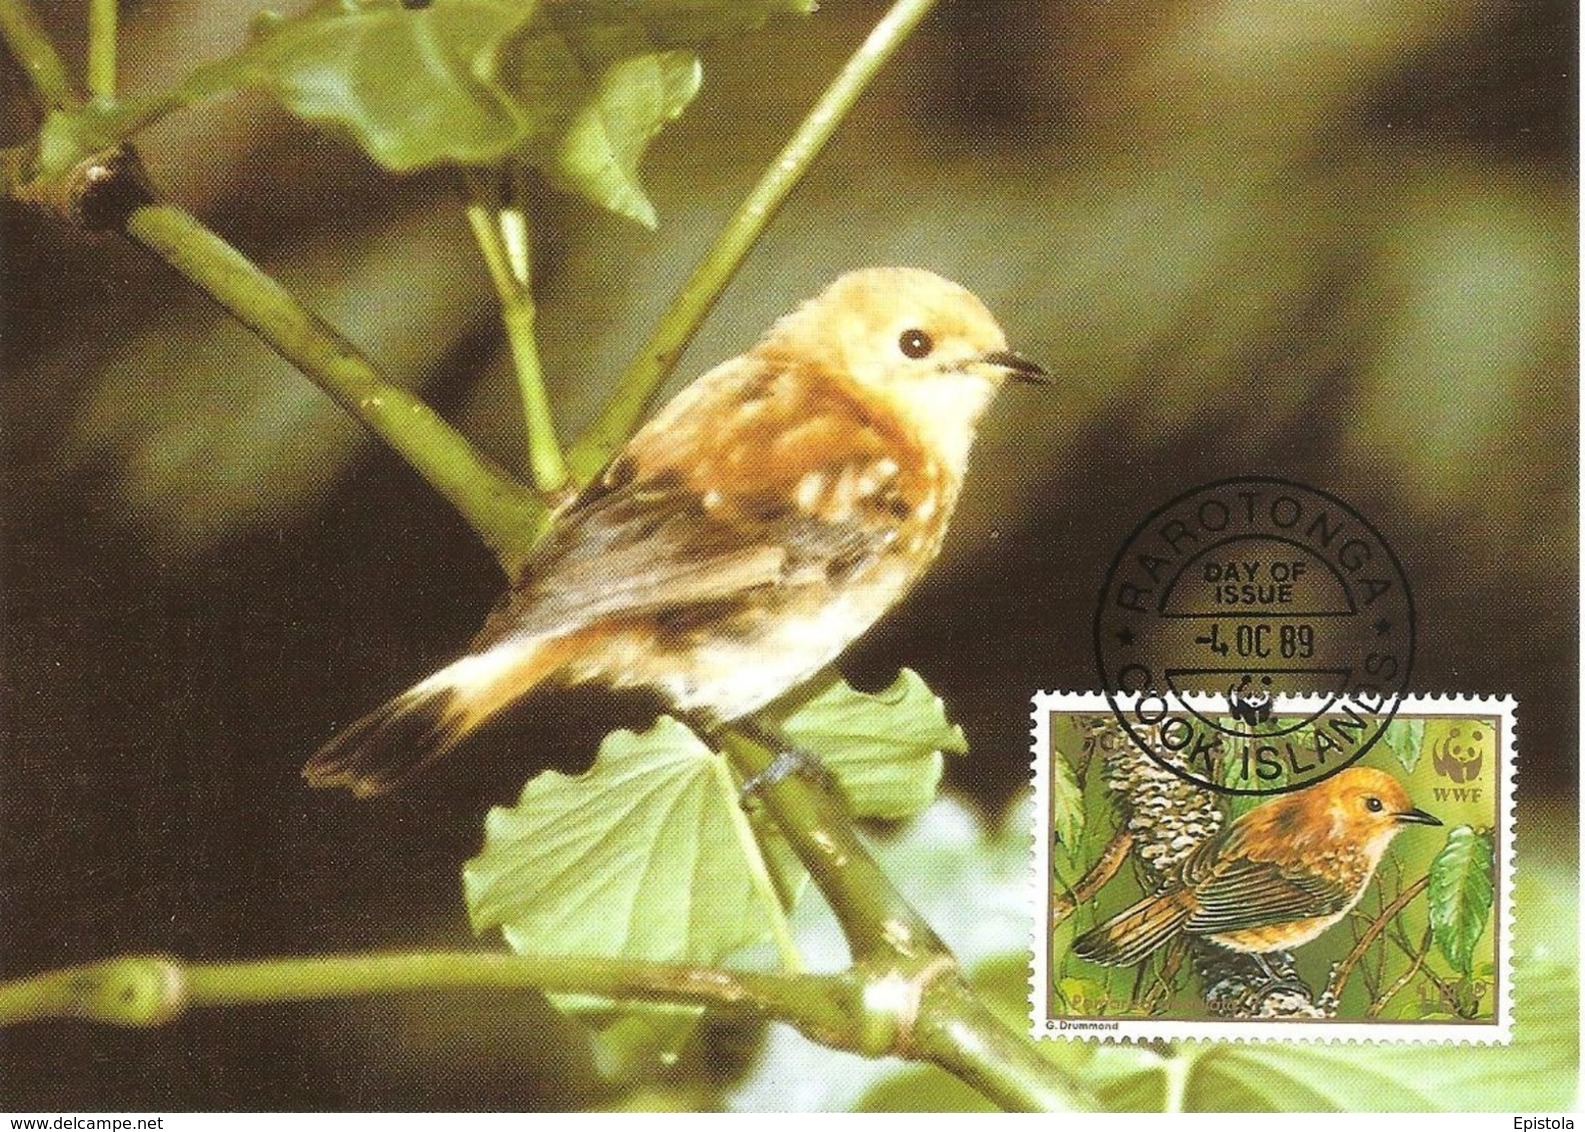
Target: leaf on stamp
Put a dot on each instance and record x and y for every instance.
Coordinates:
(1405, 738)
(638, 858)
(1460, 895)
(884, 750)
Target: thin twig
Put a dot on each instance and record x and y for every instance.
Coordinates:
(1161, 989)
(659, 355)
(510, 272)
(1334, 989)
(1449, 995)
(1379, 1003)
(1112, 858)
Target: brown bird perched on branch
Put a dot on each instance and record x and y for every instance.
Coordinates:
(1274, 879)
(744, 537)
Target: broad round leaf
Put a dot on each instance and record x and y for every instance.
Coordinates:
(413, 87)
(884, 750)
(639, 858)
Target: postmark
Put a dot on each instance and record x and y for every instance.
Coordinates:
(1374, 903)
(1237, 596)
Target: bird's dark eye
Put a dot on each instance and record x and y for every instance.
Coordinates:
(915, 343)
(1373, 805)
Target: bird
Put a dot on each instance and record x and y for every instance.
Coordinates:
(1272, 880)
(744, 537)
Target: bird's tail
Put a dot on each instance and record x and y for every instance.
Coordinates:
(385, 748)
(1137, 931)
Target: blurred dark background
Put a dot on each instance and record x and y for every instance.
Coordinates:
(1334, 243)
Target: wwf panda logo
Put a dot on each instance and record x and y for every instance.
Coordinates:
(1458, 754)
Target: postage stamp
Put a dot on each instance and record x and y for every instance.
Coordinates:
(1258, 899)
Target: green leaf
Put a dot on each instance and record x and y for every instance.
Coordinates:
(673, 23)
(1081, 996)
(597, 157)
(1460, 894)
(1069, 864)
(1067, 800)
(1405, 737)
(923, 1089)
(413, 87)
(642, 857)
(884, 750)
(576, 90)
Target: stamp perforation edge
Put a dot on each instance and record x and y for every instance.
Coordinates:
(1324, 1032)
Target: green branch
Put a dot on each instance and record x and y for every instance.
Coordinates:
(958, 1032)
(102, 18)
(659, 355)
(500, 228)
(153, 990)
(764, 884)
(898, 955)
(505, 514)
(877, 922)
(31, 45)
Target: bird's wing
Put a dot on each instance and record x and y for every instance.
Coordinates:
(1237, 893)
(652, 535)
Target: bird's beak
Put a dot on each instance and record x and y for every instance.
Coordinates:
(1017, 367)
(1418, 817)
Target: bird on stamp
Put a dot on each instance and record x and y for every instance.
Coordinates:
(1274, 879)
(743, 538)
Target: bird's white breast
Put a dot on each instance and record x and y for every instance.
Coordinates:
(729, 675)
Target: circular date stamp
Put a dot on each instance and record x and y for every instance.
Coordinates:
(1255, 635)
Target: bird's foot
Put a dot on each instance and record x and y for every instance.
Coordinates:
(1276, 982)
(785, 765)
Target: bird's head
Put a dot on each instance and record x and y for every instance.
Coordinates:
(922, 345)
(1368, 807)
